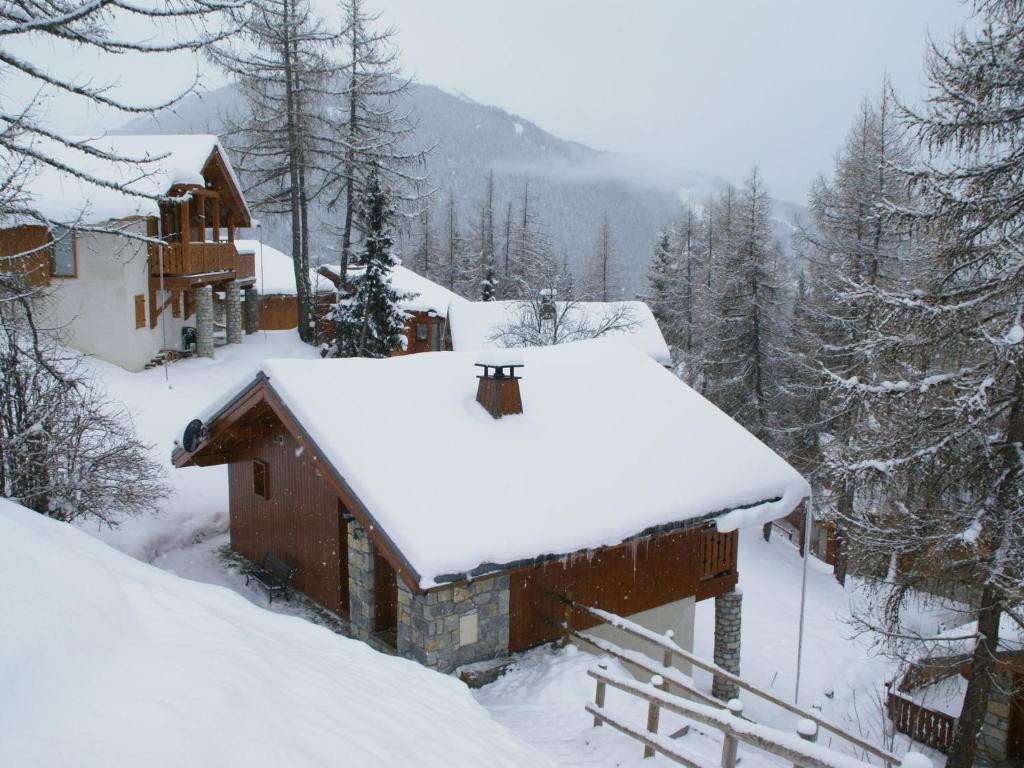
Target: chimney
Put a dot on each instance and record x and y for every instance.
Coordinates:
(498, 388)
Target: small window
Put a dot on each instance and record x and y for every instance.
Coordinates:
(421, 331)
(469, 628)
(62, 252)
(140, 311)
(261, 479)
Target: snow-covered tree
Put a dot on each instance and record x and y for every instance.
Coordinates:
(602, 273)
(553, 313)
(486, 270)
(369, 320)
(854, 239)
(746, 312)
(374, 133)
(945, 390)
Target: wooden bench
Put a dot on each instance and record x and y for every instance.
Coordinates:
(273, 574)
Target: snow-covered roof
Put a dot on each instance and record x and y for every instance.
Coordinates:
(609, 445)
(429, 296)
(478, 324)
(110, 661)
(275, 270)
(170, 159)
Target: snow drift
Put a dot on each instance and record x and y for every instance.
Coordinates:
(108, 661)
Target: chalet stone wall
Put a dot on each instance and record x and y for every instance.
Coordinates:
(252, 310)
(456, 625)
(233, 312)
(995, 727)
(203, 297)
(360, 581)
(728, 621)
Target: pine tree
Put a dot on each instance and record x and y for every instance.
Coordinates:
(369, 320)
(855, 240)
(663, 291)
(488, 279)
(746, 314)
(602, 275)
(283, 68)
(946, 389)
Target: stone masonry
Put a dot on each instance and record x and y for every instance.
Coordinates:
(360, 582)
(252, 310)
(233, 312)
(995, 727)
(203, 296)
(728, 614)
(448, 627)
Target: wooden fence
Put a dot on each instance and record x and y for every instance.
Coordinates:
(669, 675)
(718, 553)
(923, 725)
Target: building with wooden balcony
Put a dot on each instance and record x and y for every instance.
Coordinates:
(447, 504)
(122, 271)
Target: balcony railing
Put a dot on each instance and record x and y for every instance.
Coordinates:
(202, 258)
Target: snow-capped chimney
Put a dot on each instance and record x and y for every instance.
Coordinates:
(498, 387)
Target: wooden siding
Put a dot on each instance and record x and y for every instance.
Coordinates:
(624, 579)
(140, 311)
(301, 522)
(433, 342)
(278, 313)
(35, 265)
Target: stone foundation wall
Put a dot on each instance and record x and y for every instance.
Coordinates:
(728, 622)
(252, 310)
(995, 727)
(456, 625)
(233, 312)
(360, 581)
(203, 297)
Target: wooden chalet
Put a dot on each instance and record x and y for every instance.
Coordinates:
(543, 489)
(115, 295)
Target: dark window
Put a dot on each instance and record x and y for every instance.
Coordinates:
(261, 479)
(62, 253)
(421, 331)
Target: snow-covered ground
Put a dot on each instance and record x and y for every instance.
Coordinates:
(108, 661)
(542, 699)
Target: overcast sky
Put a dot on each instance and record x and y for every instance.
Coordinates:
(707, 85)
(702, 85)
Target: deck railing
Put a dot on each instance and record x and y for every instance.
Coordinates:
(202, 258)
(923, 725)
(718, 553)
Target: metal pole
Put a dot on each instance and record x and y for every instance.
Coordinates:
(808, 522)
(259, 235)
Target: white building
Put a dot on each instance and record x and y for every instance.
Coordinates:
(107, 287)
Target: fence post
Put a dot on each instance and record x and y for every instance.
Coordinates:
(808, 731)
(566, 616)
(730, 744)
(666, 657)
(599, 694)
(654, 713)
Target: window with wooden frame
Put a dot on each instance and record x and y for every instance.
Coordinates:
(62, 253)
(140, 311)
(261, 479)
(421, 331)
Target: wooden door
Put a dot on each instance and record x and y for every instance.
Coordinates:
(1015, 738)
(385, 598)
(343, 608)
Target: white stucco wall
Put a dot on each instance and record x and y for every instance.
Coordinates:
(677, 616)
(95, 311)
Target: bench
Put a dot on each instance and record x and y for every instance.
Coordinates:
(273, 574)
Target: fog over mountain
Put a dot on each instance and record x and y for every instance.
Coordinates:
(572, 187)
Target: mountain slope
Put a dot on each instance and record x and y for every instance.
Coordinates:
(572, 187)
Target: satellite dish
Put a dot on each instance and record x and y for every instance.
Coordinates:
(195, 433)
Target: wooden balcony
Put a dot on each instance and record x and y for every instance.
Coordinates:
(193, 260)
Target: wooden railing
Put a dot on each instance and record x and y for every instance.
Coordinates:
(202, 258)
(666, 646)
(926, 726)
(801, 752)
(717, 553)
